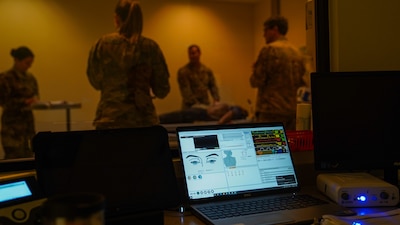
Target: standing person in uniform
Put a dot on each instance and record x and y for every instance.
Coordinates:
(129, 70)
(18, 90)
(277, 74)
(196, 81)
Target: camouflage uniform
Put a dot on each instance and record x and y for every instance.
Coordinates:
(278, 73)
(194, 85)
(127, 74)
(18, 126)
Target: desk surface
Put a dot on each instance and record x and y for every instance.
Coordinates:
(187, 218)
(176, 218)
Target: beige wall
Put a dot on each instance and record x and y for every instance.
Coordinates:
(364, 35)
(61, 32)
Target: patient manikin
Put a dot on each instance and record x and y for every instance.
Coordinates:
(220, 112)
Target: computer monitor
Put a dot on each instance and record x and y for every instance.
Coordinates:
(131, 167)
(356, 121)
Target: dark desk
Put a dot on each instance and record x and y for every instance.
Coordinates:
(176, 218)
(51, 105)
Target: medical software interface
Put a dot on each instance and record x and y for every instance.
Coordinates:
(229, 161)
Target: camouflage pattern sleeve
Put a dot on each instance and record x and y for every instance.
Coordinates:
(160, 79)
(16, 89)
(185, 89)
(258, 78)
(195, 84)
(35, 87)
(94, 71)
(277, 74)
(213, 87)
(127, 74)
(4, 89)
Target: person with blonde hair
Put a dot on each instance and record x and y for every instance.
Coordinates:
(129, 70)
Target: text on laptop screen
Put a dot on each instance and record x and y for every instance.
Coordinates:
(229, 161)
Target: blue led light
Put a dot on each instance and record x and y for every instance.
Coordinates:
(362, 198)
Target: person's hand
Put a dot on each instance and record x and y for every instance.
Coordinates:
(226, 118)
(30, 101)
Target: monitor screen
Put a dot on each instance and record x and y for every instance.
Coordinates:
(14, 190)
(18, 188)
(356, 121)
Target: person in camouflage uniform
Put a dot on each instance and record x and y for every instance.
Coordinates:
(277, 74)
(196, 81)
(18, 90)
(127, 68)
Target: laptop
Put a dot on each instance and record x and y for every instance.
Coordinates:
(131, 167)
(239, 164)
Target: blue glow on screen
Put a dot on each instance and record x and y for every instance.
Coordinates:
(14, 190)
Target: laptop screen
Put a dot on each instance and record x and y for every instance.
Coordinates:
(226, 160)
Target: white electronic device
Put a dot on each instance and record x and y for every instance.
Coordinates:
(20, 199)
(357, 189)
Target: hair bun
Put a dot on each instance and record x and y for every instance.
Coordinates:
(21, 52)
(13, 52)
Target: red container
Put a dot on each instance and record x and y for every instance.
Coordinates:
(300, 140)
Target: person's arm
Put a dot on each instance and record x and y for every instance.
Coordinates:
(226, 118)
(3, 90)
(7, 95)
(259, 77)
(36, 88)
(93, 70)
(160, 75)
(185, 89)
(36, 95)
(213, 87)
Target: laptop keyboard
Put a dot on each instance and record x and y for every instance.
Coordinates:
(260, 206)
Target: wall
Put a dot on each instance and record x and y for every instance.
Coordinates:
(364, 35)
(221, 29)
(61, 32)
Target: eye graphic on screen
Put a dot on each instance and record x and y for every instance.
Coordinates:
(212, 158)
(196, 160)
